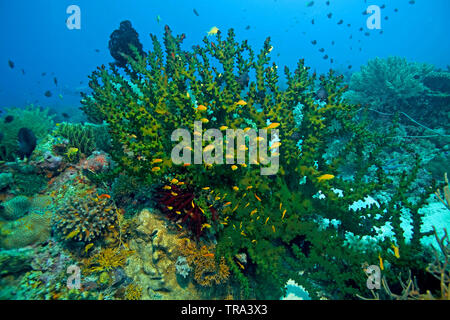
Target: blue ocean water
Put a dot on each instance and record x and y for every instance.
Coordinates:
(35, 36)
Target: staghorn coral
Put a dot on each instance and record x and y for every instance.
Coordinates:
(85, 219)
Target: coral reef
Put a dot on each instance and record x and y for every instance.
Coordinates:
(33, 118)
(15, 208)
(85, 219)
(394, 85)
(275, 222)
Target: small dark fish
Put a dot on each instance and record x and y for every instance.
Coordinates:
(55, 81)
(386, 18)
(381, 32)
(332, 43)
(327, 3)
(48, 94)
(27, 142)
(412, 2)
(97, 50)
(9, 119)
(340, 21)
(350, 66)
(11, 64)
(367, 34)
(321, 50)
(322, 94)
(349, 25)
(361, 29)
(43, 73)
(325, 57)
(364, 12)
(329, 15)
(243, 79)
(351, 36)
(416, 76)
(196, 13)
(331, 60)
(310, 4)
(314, 42)
(312, 21)
(396, 10)
(247, 27)
(65, 115)
(23, 71)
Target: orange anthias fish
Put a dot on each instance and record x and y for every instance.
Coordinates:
(103, 196)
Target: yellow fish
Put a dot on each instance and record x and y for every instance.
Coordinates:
(273, 228)
(202, 108)
(266, 220)
(247, 129)
(205, 188)
(222, 128)
(396, 251)
(204, 120)
(156, 161)
(167, 187)
(90, 245)
(381, 262)
(71, 152)
(73, 234)
(213, 31)
(257, 198)
(174, 181)
(205, 225)
(325, 177)
(241, 103)
(275, 145)
(284, 212)
(234, 167)
(273, 125)
(253, 212)
(154, 169)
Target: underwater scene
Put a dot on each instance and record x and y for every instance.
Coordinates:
(224, 150)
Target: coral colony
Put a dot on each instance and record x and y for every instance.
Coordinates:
(198, 169)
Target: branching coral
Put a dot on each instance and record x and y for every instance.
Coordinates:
(276, 221)
(85, 219)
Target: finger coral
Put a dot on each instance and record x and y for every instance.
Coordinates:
(85, 219)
